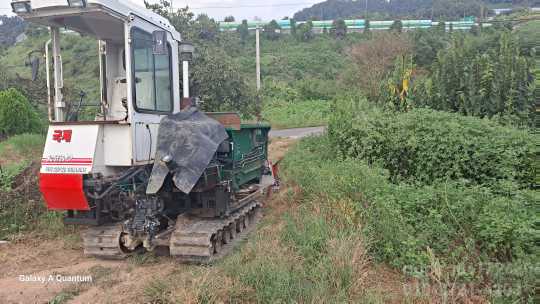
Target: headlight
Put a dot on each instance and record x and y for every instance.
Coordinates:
(77, 3)
(21, 7)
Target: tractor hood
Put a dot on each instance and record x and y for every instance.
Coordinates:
(187, 142)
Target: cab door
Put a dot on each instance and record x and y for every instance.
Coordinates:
(152, 86)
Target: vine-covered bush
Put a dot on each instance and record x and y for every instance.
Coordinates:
(16, 114)
(424, 146)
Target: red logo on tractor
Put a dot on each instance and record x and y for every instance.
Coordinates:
(62, 135)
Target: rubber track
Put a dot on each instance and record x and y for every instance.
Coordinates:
(191, 241)
(104, 242)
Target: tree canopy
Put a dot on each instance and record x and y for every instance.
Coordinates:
(430, 9)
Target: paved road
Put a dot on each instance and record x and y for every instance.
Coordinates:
(298, 132)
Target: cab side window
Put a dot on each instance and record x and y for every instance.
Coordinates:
(152, 73)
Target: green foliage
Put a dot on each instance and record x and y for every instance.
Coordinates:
(16, 114)
(309, 236)
(461, 226)
(310, 260)
(24, 146)
(64, 296)
(19, 209)
(223, 91)
(157, 291)
(8, 174)
(380, 9)
(397, 26)
(443, 146)
(304, 32)
(79, 58)
(484, 83)
(243, 31)
(427, 43)
(396, 91)
(272, 30)
(295, 114)
(339, 28)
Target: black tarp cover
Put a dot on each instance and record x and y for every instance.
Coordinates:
(191, 138)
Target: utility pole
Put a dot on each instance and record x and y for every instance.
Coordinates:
(258, 59)
(365, 13)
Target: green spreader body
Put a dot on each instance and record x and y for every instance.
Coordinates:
(247, 155)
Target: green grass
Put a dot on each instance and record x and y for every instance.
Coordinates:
(410, 226)
(23, 210)
(157, 291)
(26, 145)
(16, 153)
(282, 115)
(64, 296)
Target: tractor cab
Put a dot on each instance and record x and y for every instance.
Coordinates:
(144, 172)
(139, 83)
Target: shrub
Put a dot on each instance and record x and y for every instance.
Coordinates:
(373, 59)
(425, 146)
(410, 226)
(16, 114)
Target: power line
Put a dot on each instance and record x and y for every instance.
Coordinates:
(249, 5)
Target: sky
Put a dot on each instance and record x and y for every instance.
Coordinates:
(219, 9)
(243, 9)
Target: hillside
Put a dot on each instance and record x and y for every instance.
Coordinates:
(10, 29)
(302, 74)
(375, 9)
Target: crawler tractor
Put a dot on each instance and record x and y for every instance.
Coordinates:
(151, 170)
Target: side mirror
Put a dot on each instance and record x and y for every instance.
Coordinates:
(186, 50)
(159, 45)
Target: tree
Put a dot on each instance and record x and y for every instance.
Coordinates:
(217, 80)
(272, 30)
(229, 19)
(374, 59)
(413, 9)
(427, 43)
(339, 29)
(397, 26)
(16, 114)
(472, 80)
(367, 28)
(243, 31)
(293, 27)
(206, 27)
(304, 32)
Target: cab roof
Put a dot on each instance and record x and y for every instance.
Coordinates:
(44, 10)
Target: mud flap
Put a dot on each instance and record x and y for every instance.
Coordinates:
(63, 191)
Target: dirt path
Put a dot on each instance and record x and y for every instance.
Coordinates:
(31, 268)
